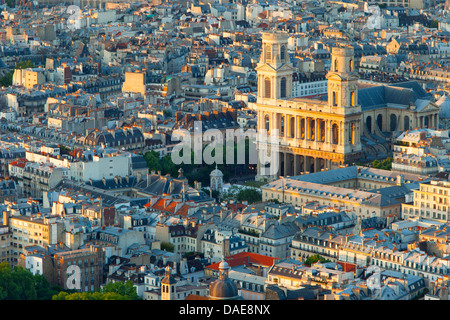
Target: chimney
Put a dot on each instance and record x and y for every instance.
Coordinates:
(226, 248)
(400, 180)
(5, 218)
(443, 294)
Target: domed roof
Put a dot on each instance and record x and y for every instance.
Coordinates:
(224, 266)
(216, 173)
(168, 279)
(223, 288)
(444, 107)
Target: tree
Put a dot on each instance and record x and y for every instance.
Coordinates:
(386, 164)
(24, 64)
(153, 161)
(315, 258)
(250, 195)
(168, 167)
(434, 24)
(125, 289)
(89, 296)
(20, 284)
(111, 291)
(167, 246)
(6, 80)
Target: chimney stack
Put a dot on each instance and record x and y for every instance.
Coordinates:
(5, 218)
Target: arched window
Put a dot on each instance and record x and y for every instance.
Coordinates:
(334, 98)
(335, 134)
(283, 88)
(351, 137)
(351, 65)
(302, 128)
(292, 127)
(267, 123)
(380, 122)
(352, 99)
(369, 123)
(282, 53)
(336, 65)
(406, 123)
(267, 88)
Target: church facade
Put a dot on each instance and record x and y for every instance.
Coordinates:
(316, 135)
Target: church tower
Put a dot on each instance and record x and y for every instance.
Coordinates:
(274, 69)
(168, 285)
(342, 79)
(313, 134)
(343, 96)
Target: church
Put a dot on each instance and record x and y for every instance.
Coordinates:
(355, 123)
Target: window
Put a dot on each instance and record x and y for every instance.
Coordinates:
(267, 88)
(268, 53)
(283, 88)
(334, 98)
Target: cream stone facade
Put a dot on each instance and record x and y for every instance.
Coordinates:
(357, 123)
(314, 135)
(431, 201)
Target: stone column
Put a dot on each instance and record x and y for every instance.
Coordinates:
(295, 165)
(316, 132)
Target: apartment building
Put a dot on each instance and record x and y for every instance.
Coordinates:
(184, 238)
(40, 177)
(315, 240)
(217, 244)
(88, 277)
(431, 201)
(276, 240)
(314, 85)
(414, 262)
(5, 241)
(33, 230)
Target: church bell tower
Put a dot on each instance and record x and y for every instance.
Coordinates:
(274, 69)
(343, 95)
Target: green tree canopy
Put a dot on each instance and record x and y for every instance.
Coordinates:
(20, 284)
(386, 164)
(315, 258)
(125, 289)
(250, 195)
(111, 291)
(6, 80)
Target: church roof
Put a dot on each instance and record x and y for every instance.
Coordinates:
(402, 94)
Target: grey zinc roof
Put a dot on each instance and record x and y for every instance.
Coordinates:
(279, 231)
(399, 94)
